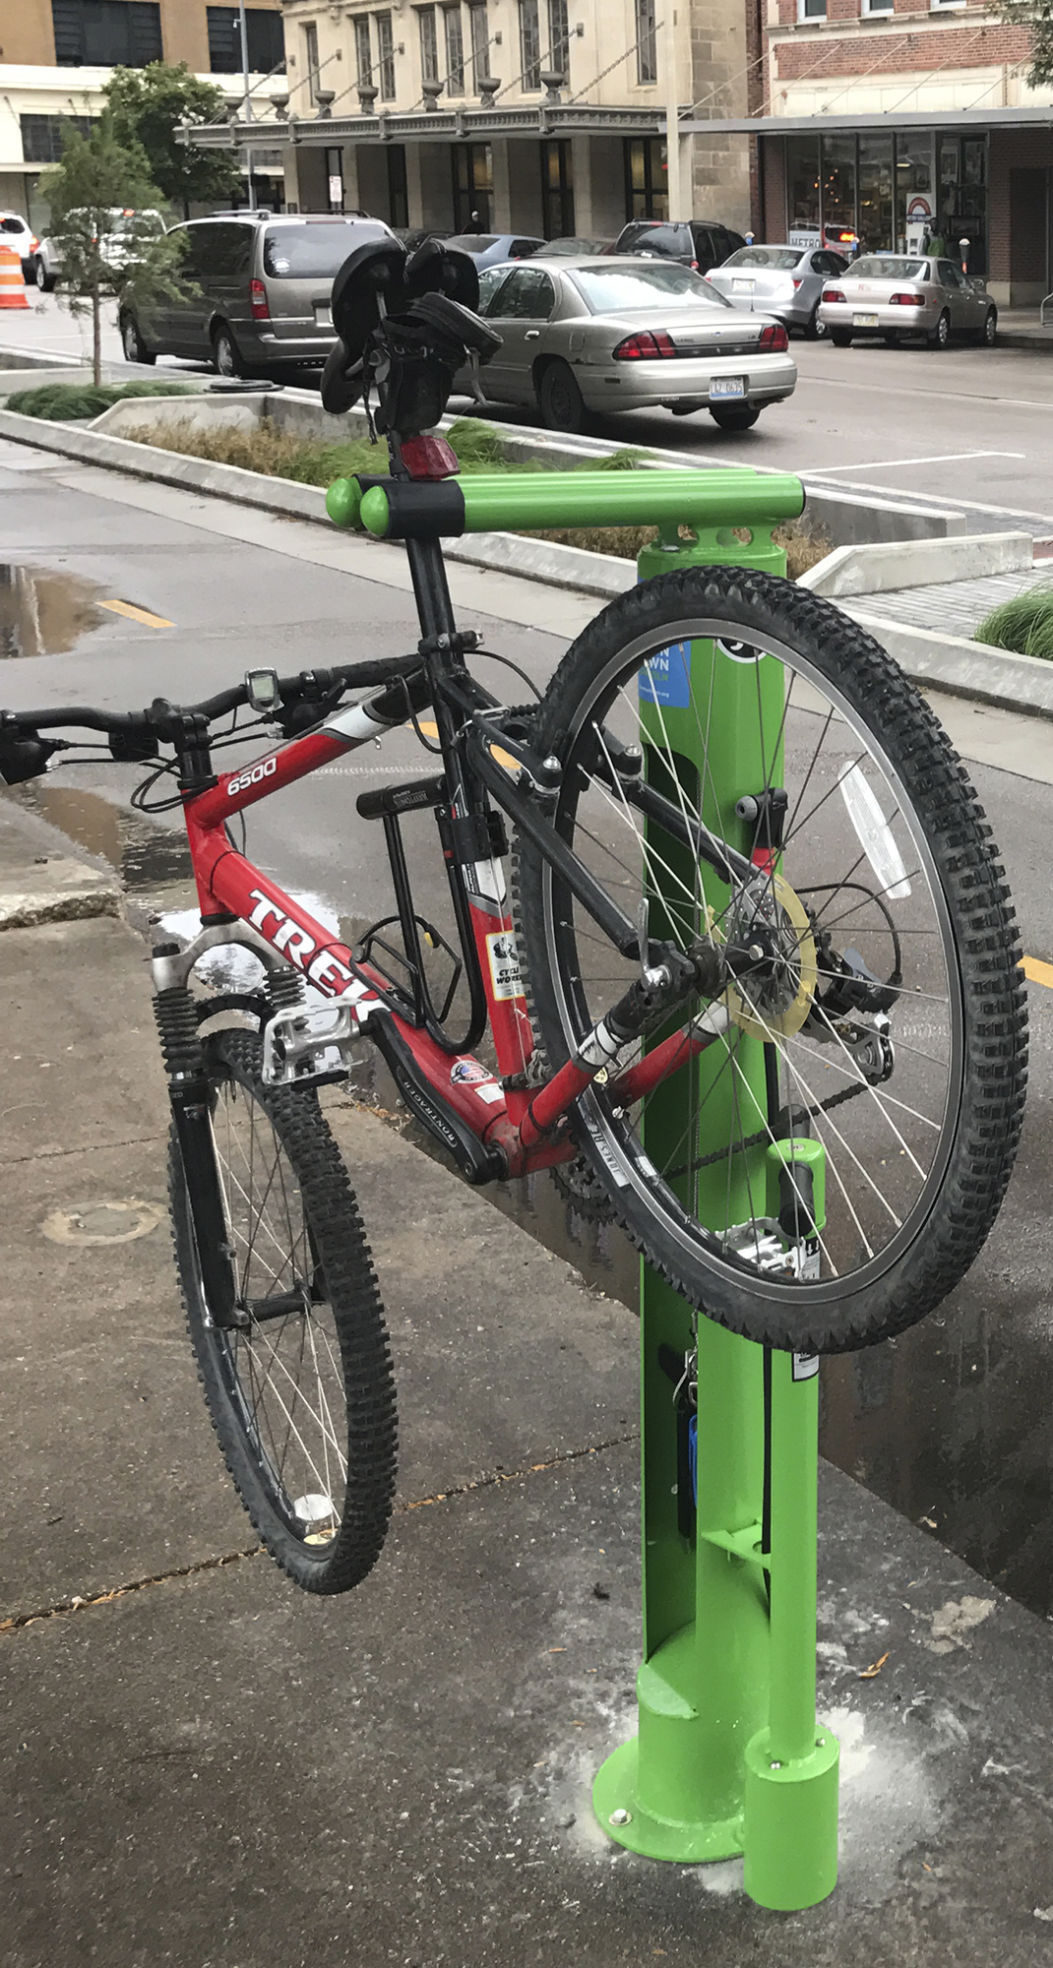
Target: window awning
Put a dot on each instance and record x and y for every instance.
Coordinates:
(427, 126)
(1029, 117)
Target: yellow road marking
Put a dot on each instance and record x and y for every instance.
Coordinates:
(1037, 972)
(135, 614)
(505, 759)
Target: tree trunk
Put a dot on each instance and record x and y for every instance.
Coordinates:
(96, 334)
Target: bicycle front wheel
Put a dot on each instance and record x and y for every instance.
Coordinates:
(819, 1174)
(301, 1394)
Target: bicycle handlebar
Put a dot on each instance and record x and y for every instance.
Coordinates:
(162, 718)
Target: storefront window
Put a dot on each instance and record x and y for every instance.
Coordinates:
(473, 184)
(915, 196)
(875, 223)
(963, 198)
(646, 182)
(839, 181)
(557, 188)
(802, 184)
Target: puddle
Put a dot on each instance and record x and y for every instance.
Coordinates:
(145, 856)
(44, 612)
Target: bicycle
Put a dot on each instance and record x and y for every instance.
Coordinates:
(677, 1018)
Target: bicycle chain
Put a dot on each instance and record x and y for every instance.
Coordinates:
(763, 1136)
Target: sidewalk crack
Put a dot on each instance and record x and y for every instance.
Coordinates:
(82, 1602)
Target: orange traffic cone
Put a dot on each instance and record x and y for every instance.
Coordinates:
(12, 280)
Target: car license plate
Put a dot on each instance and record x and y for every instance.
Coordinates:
(865, 321)
(742, 286)
(323, 314)
(727, 386)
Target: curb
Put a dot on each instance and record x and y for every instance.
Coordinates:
(949, 663)
(66, 891)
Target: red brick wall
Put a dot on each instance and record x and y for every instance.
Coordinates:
(965, 47)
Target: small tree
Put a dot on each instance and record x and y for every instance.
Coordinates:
(99, 197)
(146, 105)
(1037, 17)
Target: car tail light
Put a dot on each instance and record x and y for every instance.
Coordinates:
(796, 284)
(906, 300)
(774, 339)
(694, 266)
(33, 242)
(644, 348)
(258, 301)
(832, 294)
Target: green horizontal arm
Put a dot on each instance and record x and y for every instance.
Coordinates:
(519, 502)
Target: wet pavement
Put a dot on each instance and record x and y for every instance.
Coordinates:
(952, 1422)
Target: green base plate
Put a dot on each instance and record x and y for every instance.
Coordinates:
(689, 1843)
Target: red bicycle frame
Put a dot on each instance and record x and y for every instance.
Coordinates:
(524, 1123)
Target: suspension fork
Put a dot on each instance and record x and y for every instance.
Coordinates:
(190, 1098)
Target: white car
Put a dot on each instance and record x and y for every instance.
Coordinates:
(17, 231)
(117, 247)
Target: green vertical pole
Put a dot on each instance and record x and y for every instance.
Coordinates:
(726, 1691)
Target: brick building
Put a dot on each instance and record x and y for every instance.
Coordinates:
(882, 115)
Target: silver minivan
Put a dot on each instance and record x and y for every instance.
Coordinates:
(257, 293)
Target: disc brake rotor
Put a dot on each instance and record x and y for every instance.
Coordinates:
(776, 1001)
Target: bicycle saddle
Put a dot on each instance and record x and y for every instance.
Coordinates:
(416, 310)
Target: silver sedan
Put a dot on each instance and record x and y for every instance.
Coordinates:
(786, 281)
(897, 294)
(588, 335)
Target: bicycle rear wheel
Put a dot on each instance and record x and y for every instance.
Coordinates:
(884, 1035)
(302, 1395)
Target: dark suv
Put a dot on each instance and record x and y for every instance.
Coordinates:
(699, 243)
(256, 296)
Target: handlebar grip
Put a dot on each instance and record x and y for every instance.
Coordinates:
(23, 758)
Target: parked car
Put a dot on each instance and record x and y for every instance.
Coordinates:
(494, 248)
(118, 245)
(257, 294)
(700, 243)
(896, 294)
(17, 231)
(561, 248)
(842, 238)
(414, 236)
(782, 280)
(586, 335)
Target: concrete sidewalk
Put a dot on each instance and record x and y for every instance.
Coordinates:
(205, 1767)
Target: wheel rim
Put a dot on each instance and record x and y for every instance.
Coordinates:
(224, 355)
(990, 328)
(131, 341)
(943, 330)
(562, 404)
(886, 1146)
(283, 1374)
(41, 277)
(818, 327)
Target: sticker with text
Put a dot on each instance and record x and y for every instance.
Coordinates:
(505, 974)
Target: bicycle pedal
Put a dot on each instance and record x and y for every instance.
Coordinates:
(309, 1044)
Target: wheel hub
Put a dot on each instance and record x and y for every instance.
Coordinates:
(774, 1000)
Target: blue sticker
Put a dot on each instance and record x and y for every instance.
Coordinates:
(666, 677)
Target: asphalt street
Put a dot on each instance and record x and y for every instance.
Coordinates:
(965, 426)
(144, 590)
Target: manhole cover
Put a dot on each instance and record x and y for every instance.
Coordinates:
(103, 1222)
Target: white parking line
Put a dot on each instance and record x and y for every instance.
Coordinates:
(893, 464)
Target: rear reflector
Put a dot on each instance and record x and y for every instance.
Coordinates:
(832, 294)
(773, 338)
(644, 348)
(429, 457)
(258, 301)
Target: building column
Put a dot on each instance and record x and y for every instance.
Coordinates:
(501, 203)
(599, 186)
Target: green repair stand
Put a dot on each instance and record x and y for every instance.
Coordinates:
(728, 1757)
